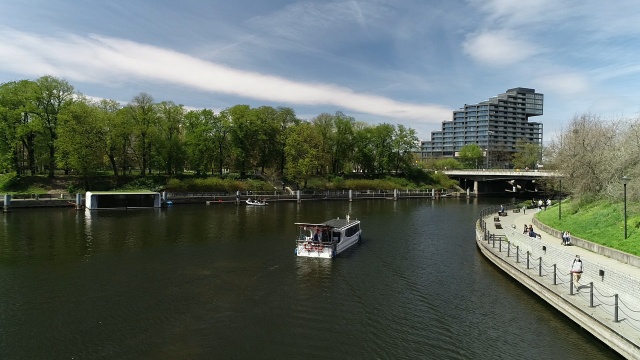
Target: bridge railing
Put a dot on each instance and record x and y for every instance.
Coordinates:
(505, 172)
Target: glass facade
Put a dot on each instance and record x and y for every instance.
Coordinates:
(495, 125)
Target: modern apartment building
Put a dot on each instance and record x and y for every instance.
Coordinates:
(494, 125)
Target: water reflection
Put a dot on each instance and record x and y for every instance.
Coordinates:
(223, 281)
(313, 269)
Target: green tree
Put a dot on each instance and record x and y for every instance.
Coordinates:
(470, 156)
(168, 136)
(527, 154)
(81, 139)
(142, 114)
(343, 143)
(302, 152)
(286, 118)
(17, 129)
(244, 137)
(447, 164)
(325, 128)
(364, 152)
(198, 140)
(117, 134)
(268, 127)
(51, 96)
(220, 132)
(404, 145)
(383, 148)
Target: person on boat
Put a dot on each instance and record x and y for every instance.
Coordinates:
(317, 236)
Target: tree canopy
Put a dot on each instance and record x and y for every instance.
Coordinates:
(46, 125)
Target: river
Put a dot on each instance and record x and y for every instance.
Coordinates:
(222, 282)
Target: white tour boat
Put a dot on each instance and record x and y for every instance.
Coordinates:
(328, 239)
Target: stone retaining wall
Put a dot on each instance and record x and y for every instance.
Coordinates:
(596, 248)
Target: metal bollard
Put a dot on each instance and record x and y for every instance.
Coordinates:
(616, 309)
(527, 260)
(540, 266)
(571, 285)
(517, 254)
(591, 296)
(555, 275)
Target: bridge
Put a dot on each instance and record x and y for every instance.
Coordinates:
(501, 181)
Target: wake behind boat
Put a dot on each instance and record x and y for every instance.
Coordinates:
(328, 239)
(256, 202)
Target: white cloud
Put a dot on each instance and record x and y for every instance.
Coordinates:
(104, 60)
(511, 13)
(498, 48)
(567, 84)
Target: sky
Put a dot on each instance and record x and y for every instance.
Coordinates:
(408, 62)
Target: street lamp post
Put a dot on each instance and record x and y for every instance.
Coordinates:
(487, 157)
(560, 200)
(625, 180)
(489, 133)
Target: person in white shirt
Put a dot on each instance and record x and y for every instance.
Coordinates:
(576, 269)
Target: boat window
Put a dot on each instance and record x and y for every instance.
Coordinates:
(352, 230)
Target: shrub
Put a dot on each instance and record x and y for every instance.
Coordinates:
(8, 181)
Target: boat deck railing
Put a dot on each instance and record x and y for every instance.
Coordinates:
(308, 239)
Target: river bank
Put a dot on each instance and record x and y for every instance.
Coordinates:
(66, 200)
(606, 300)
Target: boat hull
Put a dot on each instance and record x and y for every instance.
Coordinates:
(310, 249)
(307, 248)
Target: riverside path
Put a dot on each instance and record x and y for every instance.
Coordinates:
(606, 301)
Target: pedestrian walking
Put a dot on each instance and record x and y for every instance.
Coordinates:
(576, 269)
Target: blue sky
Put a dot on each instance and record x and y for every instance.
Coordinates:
(409, 62)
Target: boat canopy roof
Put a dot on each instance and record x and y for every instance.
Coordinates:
(329, 224)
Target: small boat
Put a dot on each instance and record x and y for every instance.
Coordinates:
(256, 202)
(328, 239)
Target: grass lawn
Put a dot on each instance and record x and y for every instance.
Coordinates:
(601, 222)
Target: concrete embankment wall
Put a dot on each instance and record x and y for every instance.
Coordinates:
(39, 203)
(617, 335)
(593, 247)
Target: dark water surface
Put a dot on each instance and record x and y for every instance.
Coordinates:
(222, 282)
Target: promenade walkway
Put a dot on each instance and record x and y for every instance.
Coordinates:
(606, 302)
